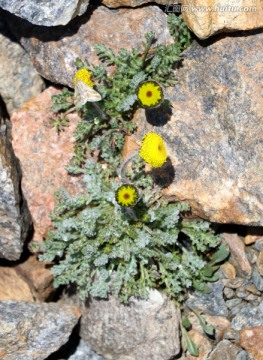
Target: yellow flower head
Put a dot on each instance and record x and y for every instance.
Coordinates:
(150, 94)
(85, 76)
(153, 150)
(127, 195)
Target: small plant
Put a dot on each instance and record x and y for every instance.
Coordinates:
(104, 247)
(122, 238)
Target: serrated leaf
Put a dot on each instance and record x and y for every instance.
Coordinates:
(220, 255)
(190, 345)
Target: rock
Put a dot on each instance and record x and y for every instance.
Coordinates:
(247, 316)
(229, 293)
(233, 303)
(38, 277)
(251, 340)
(233, 283)
(12, 286)
(232, 335)
(19, 80)
(43, 155)
(228, 270)
(252, 255)
(15, 220)
(83, 352)
(242, 355)
(54, 52)
(260, 262)
(251, 288)
(47, 13)
(216, 129)
(205, 17)
(131, 3)
(257, 279)
(34, 331)
(212, 303)
(125, 332)
(259, 244)
(238, 255)
(203, 344)
(225, 350)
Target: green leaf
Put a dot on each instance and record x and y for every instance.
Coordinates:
(208, 329)
(221, 254)
(186, 323)
(201, 286)
(190, 345)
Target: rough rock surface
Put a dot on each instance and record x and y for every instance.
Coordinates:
(48, 12)
(212, 303)
(43, 155)
(206, 17)
(122, 332)
(55, 52)
(12, 286)
(215, 134)
(19, 80)
(251, 340)
(38, 277)
(224, 350)
(14, 217)
(34, 331)
(238, 255)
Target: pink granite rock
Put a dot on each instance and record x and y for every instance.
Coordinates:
(43, 155)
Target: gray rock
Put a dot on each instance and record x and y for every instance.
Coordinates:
(257, 279)
(232, 303)
(84, 352)
(258, 245)
(215, 130)
(15, 220)
(224, 350)
(247, 316)
(147, 330)
(212, 303)
(232, 334)
(54, 52)
(242, 355)
(48, 12)
(19, 81)
(34, 331)
(229, 293)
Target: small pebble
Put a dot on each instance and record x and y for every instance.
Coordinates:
(252, 255)
(229, 293)
(251, 288)
(241, 293)
(233, 302)
(233, 283)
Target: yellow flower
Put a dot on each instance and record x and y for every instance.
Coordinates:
(153, 150)
(150, 94)
(127, 195)
(85, 76)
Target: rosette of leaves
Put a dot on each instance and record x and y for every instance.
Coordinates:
(103, 248)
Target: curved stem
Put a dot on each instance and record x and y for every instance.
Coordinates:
(124, 166)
